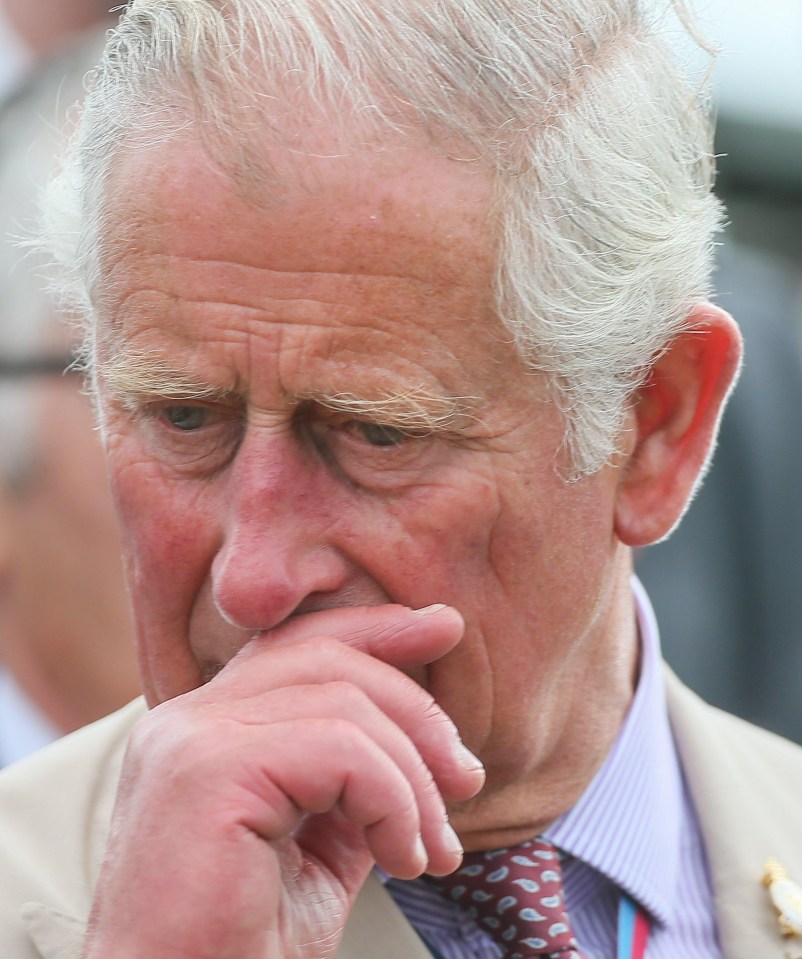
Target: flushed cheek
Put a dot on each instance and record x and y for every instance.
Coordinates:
(168, 535)
(429, 546)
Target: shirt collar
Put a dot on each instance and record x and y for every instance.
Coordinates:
(628, 822)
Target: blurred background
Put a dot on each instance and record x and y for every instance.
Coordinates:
(727, 586)
(66, 654)
(759, 95)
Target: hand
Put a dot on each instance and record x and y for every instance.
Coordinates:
(252, 809)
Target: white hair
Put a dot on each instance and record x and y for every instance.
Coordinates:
(598, 145)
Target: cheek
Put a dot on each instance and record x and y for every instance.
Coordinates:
(548, 557)
(164, 527)
(169, 538)
(525, 565)
(430, 546)
(545, 546)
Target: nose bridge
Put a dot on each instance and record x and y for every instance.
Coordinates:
(271, 478)
(276, 549)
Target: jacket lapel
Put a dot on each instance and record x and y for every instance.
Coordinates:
(746, 785)
(55, 935)
(377, 929)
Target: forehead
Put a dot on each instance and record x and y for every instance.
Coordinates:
(398, 192)
(367, 252)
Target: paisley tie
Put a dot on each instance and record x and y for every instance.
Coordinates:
(516, 896)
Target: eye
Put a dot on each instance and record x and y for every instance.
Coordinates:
(195, 437)
(377, 435)
(185, 418)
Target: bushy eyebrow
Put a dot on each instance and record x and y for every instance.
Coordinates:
(415, 410)
(136, 375)
(141, 375)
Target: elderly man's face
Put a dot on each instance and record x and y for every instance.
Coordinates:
(309, 403)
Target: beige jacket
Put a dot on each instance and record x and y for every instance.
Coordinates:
(55, 807)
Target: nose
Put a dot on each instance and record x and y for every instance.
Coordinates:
(278, 555)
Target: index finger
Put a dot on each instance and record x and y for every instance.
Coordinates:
(395, 634)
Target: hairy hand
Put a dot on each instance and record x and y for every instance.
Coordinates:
(251, 809)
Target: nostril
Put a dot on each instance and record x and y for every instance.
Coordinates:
(251, 587)
(258, 584)
(254, 602)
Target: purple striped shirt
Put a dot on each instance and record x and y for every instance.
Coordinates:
(633, 830)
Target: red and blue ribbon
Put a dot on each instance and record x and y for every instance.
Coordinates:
(633, 930)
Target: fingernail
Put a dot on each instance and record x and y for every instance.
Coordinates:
(428, 610)
(466, 759)
(451, 840)
(420, 854)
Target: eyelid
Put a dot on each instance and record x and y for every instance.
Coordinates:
(396, 436)
(405, 429)
(141, 404)
(412, 427)
(211, 416)
(195, 453)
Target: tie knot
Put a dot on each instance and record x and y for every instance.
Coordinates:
(516, 895)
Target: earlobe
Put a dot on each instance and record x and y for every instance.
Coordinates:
(673, 422)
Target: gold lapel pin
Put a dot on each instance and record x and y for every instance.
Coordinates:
(786, 896)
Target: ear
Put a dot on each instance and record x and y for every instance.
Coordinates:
(672, 425)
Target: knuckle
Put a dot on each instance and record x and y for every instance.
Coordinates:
(345, 694)
(329, 647)
(407, 808)
(342, 730)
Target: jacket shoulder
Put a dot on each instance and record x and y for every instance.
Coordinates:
(55, 808)
(746, 751)
(746, 785)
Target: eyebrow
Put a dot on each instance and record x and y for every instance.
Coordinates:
(416, 409)
(139, 375)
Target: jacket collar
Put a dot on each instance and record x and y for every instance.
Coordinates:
(745, 784)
